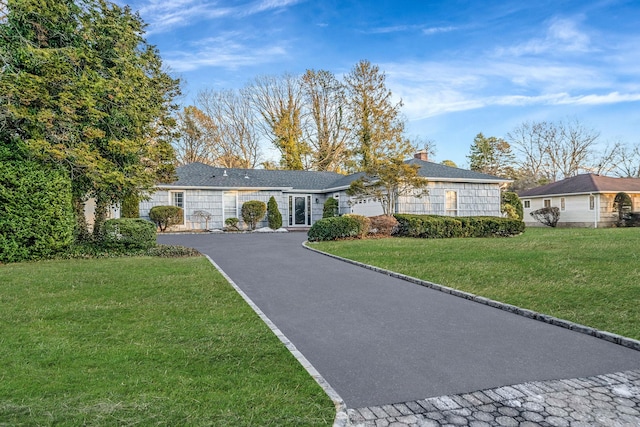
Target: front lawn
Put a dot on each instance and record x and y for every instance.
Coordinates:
(588, 276)
(143, 341)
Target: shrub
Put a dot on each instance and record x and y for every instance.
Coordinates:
(204, 215)
(274, 217)
(172, 251)
(166, 216)
(364, 224)
(130, 233)
(330, 208)
(438, 227)
(511, 205)
(36, 214)
(337, 227)
(547, 216)
(383, 225)
(232, 223)
(130, 206)
(622, 204)
(252, 212)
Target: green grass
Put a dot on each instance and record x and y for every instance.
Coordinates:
(587, 276)
(143, 341)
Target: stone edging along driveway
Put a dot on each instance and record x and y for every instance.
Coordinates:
(587, 330)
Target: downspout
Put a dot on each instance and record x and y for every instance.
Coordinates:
(595, 210)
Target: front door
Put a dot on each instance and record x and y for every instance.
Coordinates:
(299, 211)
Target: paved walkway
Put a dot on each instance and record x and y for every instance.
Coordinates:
(379, 340)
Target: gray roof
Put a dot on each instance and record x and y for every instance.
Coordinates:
(586, 183)
(438, 171)
(201, 175)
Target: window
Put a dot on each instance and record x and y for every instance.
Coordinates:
(592, 203)
(451, 203)
(177, 199)
(230, 205)
(547, 203)
(527, 204)
(561, 203)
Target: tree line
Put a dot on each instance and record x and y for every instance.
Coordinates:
(315, 121)
(539, 152)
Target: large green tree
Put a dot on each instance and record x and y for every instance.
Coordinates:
(491, 155)
(380, 145)
(81, 89)
(374, 118)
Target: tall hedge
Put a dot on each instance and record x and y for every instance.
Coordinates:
(36, 215)
(274, 217)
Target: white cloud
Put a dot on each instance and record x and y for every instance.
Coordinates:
(436, 30)
(163, 16)
(228, 50)
(562, 36)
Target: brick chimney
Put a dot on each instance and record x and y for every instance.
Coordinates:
(422, 155)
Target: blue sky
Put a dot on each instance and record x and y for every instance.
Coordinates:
(460, 67)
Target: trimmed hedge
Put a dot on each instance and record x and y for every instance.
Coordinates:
(253, 212)
(166, 216)
(337, 227)
(36, 214)
(440, 227)
(130, 233)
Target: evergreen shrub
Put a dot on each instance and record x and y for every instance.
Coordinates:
(440, 227)
(330, 208)
(547, 216)
(274, 217)
(510, 198)
(333, 228)
(130, 207)
(253, 212)
(166, 216)
(36, 214)
(130, 233)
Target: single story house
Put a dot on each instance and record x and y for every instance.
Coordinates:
(301, 194)
(584, 200)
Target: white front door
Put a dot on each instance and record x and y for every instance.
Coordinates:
(299, 210)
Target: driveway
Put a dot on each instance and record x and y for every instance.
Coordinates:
(380, 340)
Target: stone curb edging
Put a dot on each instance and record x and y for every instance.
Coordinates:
(342, 418)
(607, 336)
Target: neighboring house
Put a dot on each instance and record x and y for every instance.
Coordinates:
(301, 194)
(584, 200)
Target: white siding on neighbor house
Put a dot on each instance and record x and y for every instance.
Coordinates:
(577, 210)
(474, 199)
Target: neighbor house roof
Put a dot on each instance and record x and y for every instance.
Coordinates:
(586, 183)
(201, 175)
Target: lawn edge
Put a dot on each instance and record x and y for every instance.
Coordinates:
(530, 314)
(342, 417)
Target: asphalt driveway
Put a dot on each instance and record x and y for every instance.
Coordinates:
(380, 340)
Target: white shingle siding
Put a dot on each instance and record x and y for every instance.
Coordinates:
(474, 199)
